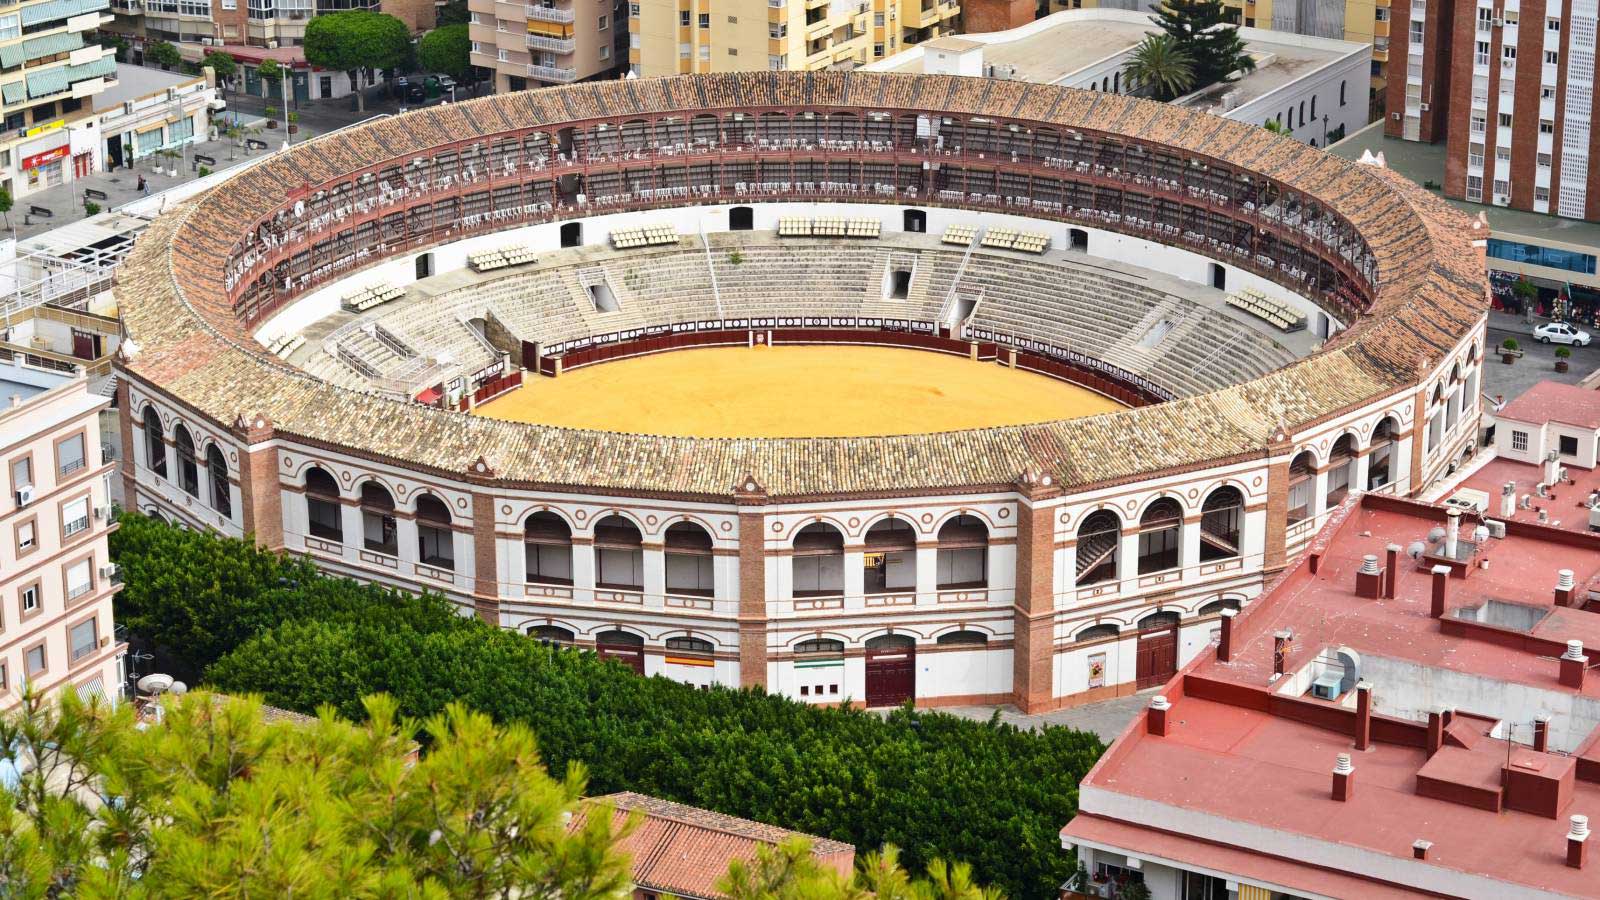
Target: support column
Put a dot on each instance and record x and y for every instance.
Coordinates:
(1319, 493)
(127, 466)
(1419, 442)
(927, 570)
(751, 591)
(1189, 546)
(261, 497)
(1359, 469)
(352, 529)
(1273, 553)
(1128, 557)
(655, 574)
(583, 569)
(1033, 611)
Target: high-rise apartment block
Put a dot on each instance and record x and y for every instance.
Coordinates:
(47, 70)
(1510, 89)
(529, 45)
(689, 36)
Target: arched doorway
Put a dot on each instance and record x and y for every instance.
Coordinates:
(1158, 649)
(891, 670)
(621, 646)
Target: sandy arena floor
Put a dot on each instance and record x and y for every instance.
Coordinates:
(794, 392)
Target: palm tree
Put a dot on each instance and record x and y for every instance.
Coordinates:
(1159, 65)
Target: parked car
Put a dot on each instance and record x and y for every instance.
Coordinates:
(1561, 333)
(415, 93)
(446, 83)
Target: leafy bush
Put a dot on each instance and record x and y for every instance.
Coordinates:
(1510, 344)
(1563, 352)
(935, 785)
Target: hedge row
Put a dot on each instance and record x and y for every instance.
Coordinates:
(247, 621)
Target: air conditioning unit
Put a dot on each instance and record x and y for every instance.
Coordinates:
(127, 107)
(272, 45)
(1425, 107)
(206, 42)
(108, 571)
(25, 495)
(1395, 115)
(1498, 23)
(1497, 528)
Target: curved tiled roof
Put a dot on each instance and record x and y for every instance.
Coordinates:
(1430, 291)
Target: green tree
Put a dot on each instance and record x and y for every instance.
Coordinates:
(211, 800)
(452, 13)
(6, 202)
(1275, 126)
(1200, 32)
(789, 871)
(269, 71)
(162, 54)
(1158, 64)
(357, 42)
(445, 50)
(223, 612)
(116, 42)
(222, 64)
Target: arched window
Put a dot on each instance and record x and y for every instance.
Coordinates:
(1159, 620)
(155, 446)
(820, 645)
(1096, 633)
(1216, 607)
(554, 635)
(963, 553)
(619, 552)
(890, 562)
(188, 469)
(547, 549)
(818, 561)
(221, 488)
(690, 645)
(1221, 522)
(689, 560)
(618, 638)
(892, 642)
(1099, 545)
(1380, 455)
(377, 519)
(962, 638)
(1341, 465)
(324, 517)
(1159, 531)
(1302, 479)
(436, 541)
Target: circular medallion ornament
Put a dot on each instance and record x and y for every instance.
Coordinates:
(461, 503)
(777, 527)
(580, 515)
(1256, 481)
(1005, 512)
(927, 518)
(854, 523)
(650, 520)
(505, 509)
(727, 526)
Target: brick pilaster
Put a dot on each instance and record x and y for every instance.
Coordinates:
(1033, 610)
(260, 494)
(126, 466)
(486, 587)
(1273, 554)
(751, 499)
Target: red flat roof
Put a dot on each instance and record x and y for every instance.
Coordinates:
(1565, 507)
(1552, 401)
(1244, 769)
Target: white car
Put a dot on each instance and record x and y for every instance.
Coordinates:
(1561, 333)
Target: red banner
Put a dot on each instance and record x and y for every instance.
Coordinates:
(45, 158)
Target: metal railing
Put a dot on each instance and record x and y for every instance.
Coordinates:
(554, 45)
(551, 14)
(552, 73)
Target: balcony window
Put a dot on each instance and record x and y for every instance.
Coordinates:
(435, 537)
(85, 638)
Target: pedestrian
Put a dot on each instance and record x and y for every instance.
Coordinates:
(144, 187)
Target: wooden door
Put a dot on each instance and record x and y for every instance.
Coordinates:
(891, 674)
(630, 656)
(1158, 657)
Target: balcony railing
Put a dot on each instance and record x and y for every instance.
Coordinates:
(552, 73)
(551, 14)
(554, 45)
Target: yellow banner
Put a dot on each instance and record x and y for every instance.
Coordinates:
(41, 129)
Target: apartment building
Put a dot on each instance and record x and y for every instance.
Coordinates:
(544, 42)
(47, 70)
(688, 36)
(56, 578)
(1510, 90)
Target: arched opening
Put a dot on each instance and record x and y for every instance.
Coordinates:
(1099, 545)
(889, 565)
(324, 516)
(619, 554)
(1078, 239)
(963, 638)
(221, 488)
(819, 646)
(963, 554)
(818, 561)
(622, 646)
(188, 468)
(1157, 658)
(1221, 524)
(1380, 455)
(914, 221)
(435, 537)
(1158, 620)
(1341, 464)
(155, 446)
(1096, 633)
(1160, 529)
(741, 218)
(689, 561)
(691, 645)
(572, 234)
(378, 532)
(891, 669)
(547, 549)
(552, 635)
(1302, 479)
(1216, 607)
(424, 265)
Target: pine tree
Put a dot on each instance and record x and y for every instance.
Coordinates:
(1198, 30)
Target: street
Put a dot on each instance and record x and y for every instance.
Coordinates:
(1537, 363)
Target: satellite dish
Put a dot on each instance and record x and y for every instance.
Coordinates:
(179, 688)
(155, 683)
(1415, 550)
(1435, 535)
(1480, 534)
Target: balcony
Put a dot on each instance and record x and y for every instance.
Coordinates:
(554, 45)
(552, 73)
(551, 14)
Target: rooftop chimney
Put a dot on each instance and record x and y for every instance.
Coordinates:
(1280, 649)
(1369, 578)
(1225, 644)
(1577, 840)
(1452, 532)
(1435, 731)
(1508, 500)
(1363, 715)
(1419, 848)
(1573, 663)
(1541, 732)
(1343, 778)
(1564, 585)
(1390, 567)
(1156, 719)
(1441, 576)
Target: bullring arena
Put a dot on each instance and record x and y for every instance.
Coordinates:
(952, 390)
